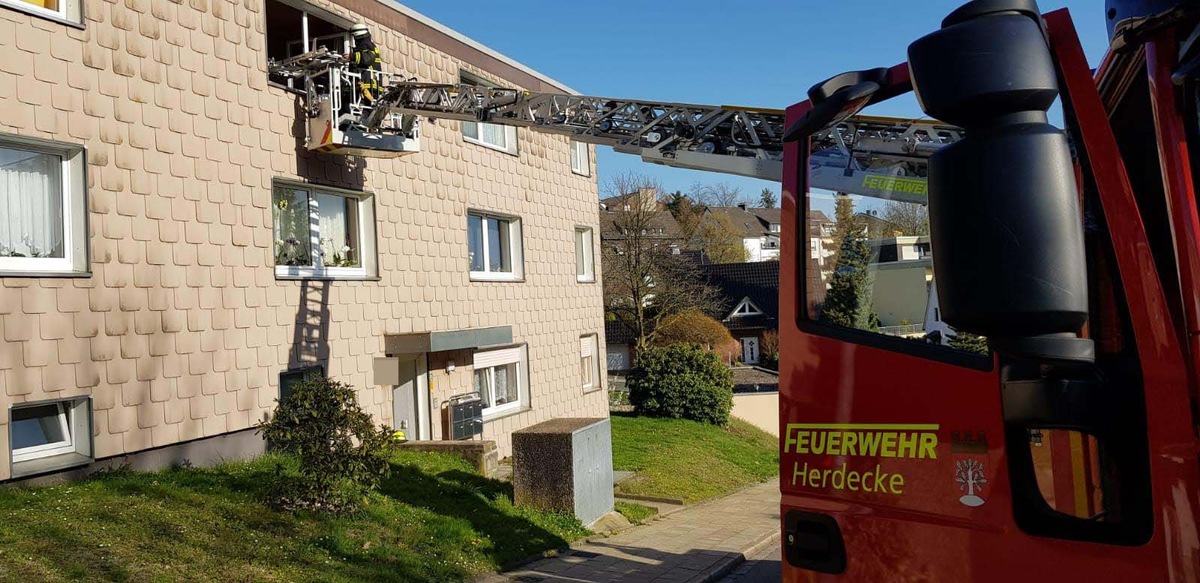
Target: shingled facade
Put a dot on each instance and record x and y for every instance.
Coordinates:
(151, 297)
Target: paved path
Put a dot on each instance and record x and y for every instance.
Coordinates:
(761, 567)
(699, 543)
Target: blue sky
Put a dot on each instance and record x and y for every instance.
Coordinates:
(764, 54)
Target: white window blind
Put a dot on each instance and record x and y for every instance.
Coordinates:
(497, 357)
(587, 345)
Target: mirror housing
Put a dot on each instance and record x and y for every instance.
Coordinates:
(1005, 224)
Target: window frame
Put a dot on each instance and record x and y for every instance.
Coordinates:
(596, 383)
(75, 416)
(589, 260)
(747, 303)
(498, 357)
(807, 325)
(306, 10)
(67, 445)
(511, 143)
(71, 14)
(368, 242)
(578, 150)
(515, 245)
(73, 180)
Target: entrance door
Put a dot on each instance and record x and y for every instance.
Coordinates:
(750, 350)
(410, 400)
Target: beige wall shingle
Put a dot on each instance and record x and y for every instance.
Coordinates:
(182, 329)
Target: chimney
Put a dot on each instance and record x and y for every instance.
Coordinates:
(742, 205)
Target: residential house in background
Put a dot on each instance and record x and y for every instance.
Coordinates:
(751, 302)
(173, 257)
(759, 228)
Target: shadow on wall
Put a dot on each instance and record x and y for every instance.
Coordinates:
(310, 338)
(328, 169)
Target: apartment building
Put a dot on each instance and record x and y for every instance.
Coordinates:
(171, 254)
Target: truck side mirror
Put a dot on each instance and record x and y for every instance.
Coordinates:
(1005, 223)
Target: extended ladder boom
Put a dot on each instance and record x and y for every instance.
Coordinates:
(871, 156)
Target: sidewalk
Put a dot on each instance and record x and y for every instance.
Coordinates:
(699, 543)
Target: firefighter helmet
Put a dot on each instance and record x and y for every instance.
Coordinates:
(359, 30)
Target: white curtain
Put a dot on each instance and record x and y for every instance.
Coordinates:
(335, 229)
(31, 204)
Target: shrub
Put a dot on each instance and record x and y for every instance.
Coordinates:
(682, 381)
(339, 450)
(970, 343)
(692, 327)
(770, 350)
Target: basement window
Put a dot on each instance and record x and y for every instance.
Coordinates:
(295, 28)
(50, 436)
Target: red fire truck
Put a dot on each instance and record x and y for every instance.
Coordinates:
(1069, 450)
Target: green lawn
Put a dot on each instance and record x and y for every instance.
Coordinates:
(635, 513)
(691, 461)
(433, 520)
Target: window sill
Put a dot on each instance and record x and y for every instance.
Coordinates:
(495, 277)
(33, 11)
(46, 274)
(583, 174)
(49, 464)
(502, 413)
(478, 142)
(333, 273)
(592, 389)
(585, 279)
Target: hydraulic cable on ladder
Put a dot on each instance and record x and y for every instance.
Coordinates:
(871, 156)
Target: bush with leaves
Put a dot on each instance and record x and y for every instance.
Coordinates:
(969, 343)
(682, 381)
(340, 450)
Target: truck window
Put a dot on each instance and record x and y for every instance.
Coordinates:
(870, 267)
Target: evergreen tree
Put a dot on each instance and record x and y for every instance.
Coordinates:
(848, 301)
(768, 199)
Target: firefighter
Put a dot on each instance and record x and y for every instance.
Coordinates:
(366, 62)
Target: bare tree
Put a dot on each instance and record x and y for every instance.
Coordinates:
(646, 281)
(908, 218)
(717, 194)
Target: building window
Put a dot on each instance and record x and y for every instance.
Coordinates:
(490, 135)
(43, 208)
(58, 9)
(585, 264)
(323, 233)
(494, 247)
(776, 228)
(501, 379)
(589, 362)
(294, 31)
(50, 436)
(289, 379)
(581, 162)
(745, 308)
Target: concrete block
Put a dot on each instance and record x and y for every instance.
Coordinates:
(565, 465)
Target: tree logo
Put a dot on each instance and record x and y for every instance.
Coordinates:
(969, 449)
(968, 474)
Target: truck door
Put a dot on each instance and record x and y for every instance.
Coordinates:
(1038, 453)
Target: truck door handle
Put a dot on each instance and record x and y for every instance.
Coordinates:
(814, 542)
